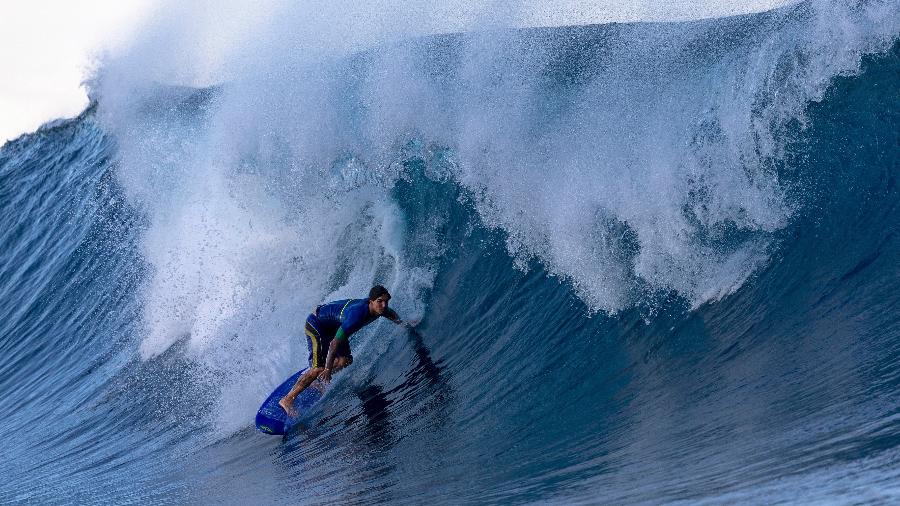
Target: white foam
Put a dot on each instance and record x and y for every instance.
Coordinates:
(640, 180)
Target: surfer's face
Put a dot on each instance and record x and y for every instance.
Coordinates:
(379, 306)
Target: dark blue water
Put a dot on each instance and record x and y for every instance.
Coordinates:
(715, 321)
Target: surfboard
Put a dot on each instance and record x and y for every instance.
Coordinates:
(271, 419)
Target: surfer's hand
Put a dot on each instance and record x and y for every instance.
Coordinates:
(325, 376)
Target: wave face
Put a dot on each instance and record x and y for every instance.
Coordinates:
(653, 263)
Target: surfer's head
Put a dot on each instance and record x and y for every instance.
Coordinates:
(378, 299)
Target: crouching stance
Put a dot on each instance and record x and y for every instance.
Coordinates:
(328, 330)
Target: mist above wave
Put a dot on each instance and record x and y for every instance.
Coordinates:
(628, 159)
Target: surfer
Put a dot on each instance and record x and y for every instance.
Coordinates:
(328, 330)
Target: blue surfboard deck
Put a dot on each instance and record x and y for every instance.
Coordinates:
(271, 419)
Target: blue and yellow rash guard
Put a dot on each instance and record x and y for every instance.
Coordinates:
(342, 318)
(337, 320)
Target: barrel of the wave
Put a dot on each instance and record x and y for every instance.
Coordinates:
(272, 419)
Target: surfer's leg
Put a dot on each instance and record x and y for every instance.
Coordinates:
(305, 379)
(317, 364)
(317, 347)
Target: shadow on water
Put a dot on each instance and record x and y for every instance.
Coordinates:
(385, 417)
(426, 382)
(425, 369)
(425, 389)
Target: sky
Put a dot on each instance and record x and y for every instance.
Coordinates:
(47, 46)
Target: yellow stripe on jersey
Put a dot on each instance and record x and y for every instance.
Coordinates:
(314, 340)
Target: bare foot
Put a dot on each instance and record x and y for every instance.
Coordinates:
(287, 407)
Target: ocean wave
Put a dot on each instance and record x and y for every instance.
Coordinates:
(654, 262)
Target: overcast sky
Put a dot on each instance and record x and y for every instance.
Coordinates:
(46, 45)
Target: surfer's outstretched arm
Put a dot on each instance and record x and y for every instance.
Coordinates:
(392, 315)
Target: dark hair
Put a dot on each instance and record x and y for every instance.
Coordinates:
(378, 291)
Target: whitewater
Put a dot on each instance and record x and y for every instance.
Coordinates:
(654, 254)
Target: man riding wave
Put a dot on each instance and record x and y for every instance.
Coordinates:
(328, 330)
